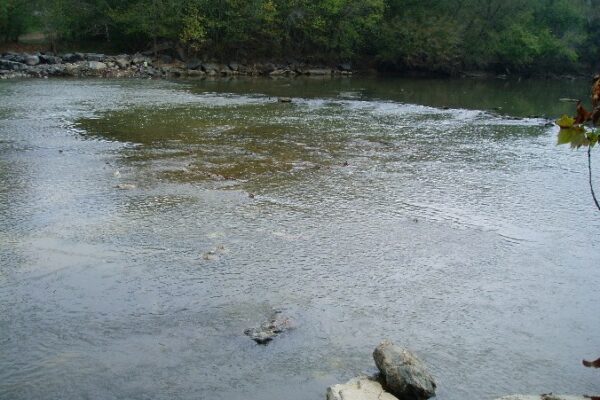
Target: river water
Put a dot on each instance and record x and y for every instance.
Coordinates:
(439, 214)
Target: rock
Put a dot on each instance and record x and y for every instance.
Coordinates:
(210, 68)
(279, 72)
(225, 70)
(52, 70)
(20, 58)
(265, 69)
(193, 63)
(267, 331)
(284, 99)
(49, 59)
(11, 65)
(165, 59)
(96, 65)
(72, 69)
(195, 73)
(95, 57)
(32, 60)
(405, 375)
(542, 397)
(359, 388)
(139, 59)
(125, 186)
(176, 72)
(344, 67)
(234, 66)
(72, 57)
(122, 62)
(318, 71)
(210, 256)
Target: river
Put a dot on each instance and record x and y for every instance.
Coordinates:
(439, 214)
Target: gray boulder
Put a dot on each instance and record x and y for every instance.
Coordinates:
(96, 65)
(210, 68)
(72, 69)
(20, 58)
(72, 57)
(122, 63)
(11, 65)
(32, 60)
(55, 70)
(360, 388)
(405, 375)
(49, 59)
(345, 67)
(95, 57)
(265, 69)
(193, 63)
(139, 59)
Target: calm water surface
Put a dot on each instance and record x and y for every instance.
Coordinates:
(457, 228)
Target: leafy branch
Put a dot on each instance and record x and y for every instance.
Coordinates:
(578, 135)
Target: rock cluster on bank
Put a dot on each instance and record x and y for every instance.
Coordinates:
(402, 377)
(40, 65)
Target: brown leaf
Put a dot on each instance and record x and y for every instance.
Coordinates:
(592, 364)
(596, 91)
(583, 115)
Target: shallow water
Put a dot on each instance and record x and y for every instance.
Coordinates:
(438, 214)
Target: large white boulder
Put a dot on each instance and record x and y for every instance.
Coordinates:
(359, 388)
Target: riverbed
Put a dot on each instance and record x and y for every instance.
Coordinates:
(144, 225)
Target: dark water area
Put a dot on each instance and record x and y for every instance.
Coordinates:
(439, 214)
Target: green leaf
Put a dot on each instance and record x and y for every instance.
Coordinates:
(593, 138)
(565, 122)
(575, 136)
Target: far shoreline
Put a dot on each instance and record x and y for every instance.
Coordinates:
(46, 64)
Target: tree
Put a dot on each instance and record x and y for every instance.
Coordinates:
(15, 15)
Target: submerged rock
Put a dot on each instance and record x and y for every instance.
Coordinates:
(125, 186)
(359, 388)
(405, 375)
(267, 331)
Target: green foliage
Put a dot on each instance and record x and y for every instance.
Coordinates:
(413, 42)
(432, 35)
(15, 18)
(193, 32)
(576, 135)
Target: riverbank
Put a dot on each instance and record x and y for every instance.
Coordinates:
(19, 64)
(43, 65)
